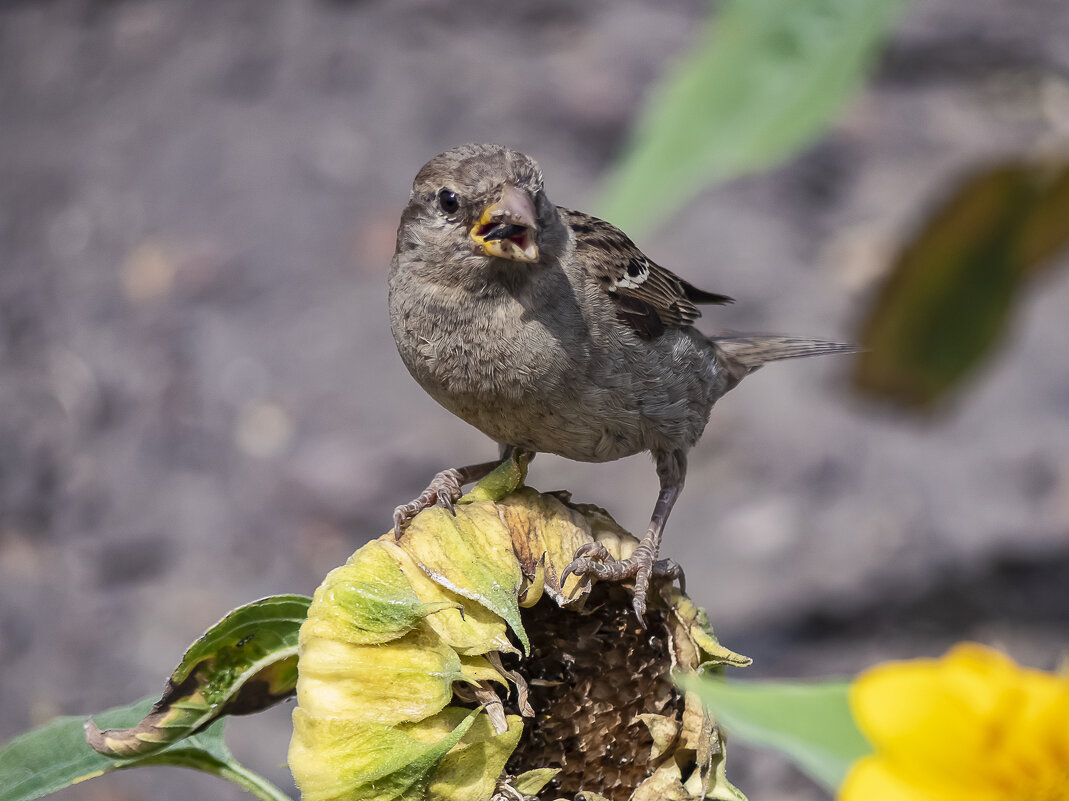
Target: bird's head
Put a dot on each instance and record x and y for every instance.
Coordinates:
(477, 204)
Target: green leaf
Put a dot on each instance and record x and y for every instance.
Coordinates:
(56, 756)
(808, 722)
(244, 663)
(951, 290)
(765, 79)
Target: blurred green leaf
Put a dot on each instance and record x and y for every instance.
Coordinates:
(952, 288)
(56, 756)
(244, 663)
(808, 722)
(765, 79)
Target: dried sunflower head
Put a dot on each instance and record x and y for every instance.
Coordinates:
(451, 665)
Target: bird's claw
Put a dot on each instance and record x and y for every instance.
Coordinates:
(589, 559)
(670, 569)
(447, 503)
(444, 491)
(593, 559)
(593, 550)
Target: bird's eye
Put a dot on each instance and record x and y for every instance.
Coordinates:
(448, 201)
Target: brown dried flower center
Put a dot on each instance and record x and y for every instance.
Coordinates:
(590, 675)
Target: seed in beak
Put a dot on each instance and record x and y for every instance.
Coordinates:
(505, 231)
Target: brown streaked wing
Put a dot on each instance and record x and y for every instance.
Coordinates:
(649, 297)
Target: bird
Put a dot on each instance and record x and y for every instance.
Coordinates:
(550, 331)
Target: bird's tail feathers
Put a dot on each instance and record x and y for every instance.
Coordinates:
(747, 352)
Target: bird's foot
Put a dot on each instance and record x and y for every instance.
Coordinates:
(444, 490)
(594, 560)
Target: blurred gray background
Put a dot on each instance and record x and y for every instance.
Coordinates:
(200, 403)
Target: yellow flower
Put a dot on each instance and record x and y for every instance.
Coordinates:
(972, 726)
(450, 665)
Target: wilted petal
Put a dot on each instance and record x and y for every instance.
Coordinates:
(697, 634)
(664, 785)
(477, 669)
(664, 731)
(412, 679)
(470, 554)
(367, 600)
(545, 532)
(532, 782)
(720, 789)
(470, 771)
(464, 625)
(337, 759)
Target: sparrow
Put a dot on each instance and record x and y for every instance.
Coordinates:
(550, 331)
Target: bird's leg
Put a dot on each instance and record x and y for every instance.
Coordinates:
(593, 559)
(444, 490)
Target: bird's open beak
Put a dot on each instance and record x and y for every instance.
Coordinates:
(507, 228)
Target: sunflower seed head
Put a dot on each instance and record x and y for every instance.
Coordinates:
(591, 677)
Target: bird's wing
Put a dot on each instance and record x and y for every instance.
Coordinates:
(648, 297)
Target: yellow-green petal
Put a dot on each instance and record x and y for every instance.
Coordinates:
(339, 759)
(411, 678)
(465, 625)
(618, 541)
(695, 623)
(477, 668)
(470, 554)
(505, 478)
(367, 600)
(532, 782)
(720, 788)
(534, 585)
(470, 771)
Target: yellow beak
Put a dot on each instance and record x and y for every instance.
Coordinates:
(507, 228)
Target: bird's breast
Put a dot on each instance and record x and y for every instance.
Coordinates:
(490, 347)
(534, 376)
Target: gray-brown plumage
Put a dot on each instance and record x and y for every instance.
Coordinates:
(549, 331)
